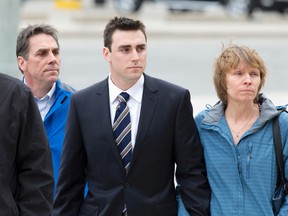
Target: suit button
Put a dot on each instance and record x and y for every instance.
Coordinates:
(126, 185)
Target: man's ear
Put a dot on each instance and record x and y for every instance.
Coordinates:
(21, 63)
(106, 53)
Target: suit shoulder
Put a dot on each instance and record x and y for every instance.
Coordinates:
(91, 90)
(12, 85)
(9, 80)
(15, 96)
(166, 85)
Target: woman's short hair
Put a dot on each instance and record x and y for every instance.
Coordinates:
(228, 60)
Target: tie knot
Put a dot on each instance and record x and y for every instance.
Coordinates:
(123, 97)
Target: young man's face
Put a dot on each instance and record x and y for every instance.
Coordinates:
(127, 57)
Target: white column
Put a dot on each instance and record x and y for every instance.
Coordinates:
(9, 22)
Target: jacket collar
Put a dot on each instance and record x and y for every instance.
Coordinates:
(267, 111)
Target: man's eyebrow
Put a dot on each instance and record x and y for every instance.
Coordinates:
(124, 46)
(56, 49)
(46, 49)
(128, 46)
(141, 45)
(42, 50)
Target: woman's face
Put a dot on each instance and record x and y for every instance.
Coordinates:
(242, 83)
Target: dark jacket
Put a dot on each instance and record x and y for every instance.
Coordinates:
(26, 173)
(167, 135)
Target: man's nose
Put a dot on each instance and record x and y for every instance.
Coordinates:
(52, 57)
(135, 54)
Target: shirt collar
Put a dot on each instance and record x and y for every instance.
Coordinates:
(49, 94)
(135, 91)
(52, 91)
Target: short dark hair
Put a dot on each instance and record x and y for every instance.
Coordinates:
(22, 46)
(121, 23)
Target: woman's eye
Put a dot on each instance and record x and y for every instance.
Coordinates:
(254, 74)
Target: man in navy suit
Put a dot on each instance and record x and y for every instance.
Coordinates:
(163, 133)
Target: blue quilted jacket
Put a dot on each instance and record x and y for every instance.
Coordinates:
(242, 177)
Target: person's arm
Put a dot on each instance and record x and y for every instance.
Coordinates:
(191, 170)
(34, 162)
(71, 181)
(283, 120)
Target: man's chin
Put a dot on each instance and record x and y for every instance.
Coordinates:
(136, 76)
(53, 79)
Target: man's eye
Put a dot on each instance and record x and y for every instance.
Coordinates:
(124, 50)
(140, 49)
(42, 53)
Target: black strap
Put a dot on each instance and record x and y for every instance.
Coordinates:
(279, 153)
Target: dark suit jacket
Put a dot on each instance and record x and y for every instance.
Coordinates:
(166, 135)
(26, 171)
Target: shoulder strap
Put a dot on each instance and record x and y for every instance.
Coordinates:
(279, 152)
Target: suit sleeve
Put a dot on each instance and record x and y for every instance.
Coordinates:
(191, 170)
(71, 181)
(33, 162)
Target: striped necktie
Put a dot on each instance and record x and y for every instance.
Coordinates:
(122, 129)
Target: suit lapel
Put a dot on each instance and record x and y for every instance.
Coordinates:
(149, 102)
(103, 109)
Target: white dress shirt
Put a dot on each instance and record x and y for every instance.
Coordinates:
(45, 103)
(134, 103)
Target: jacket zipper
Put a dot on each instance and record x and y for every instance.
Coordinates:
(249, 158)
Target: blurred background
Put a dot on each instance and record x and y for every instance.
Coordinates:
(184, 38)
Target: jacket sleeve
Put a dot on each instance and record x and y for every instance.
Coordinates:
(283, 120)
(191, 170)
(33, 162)
(70, 187)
